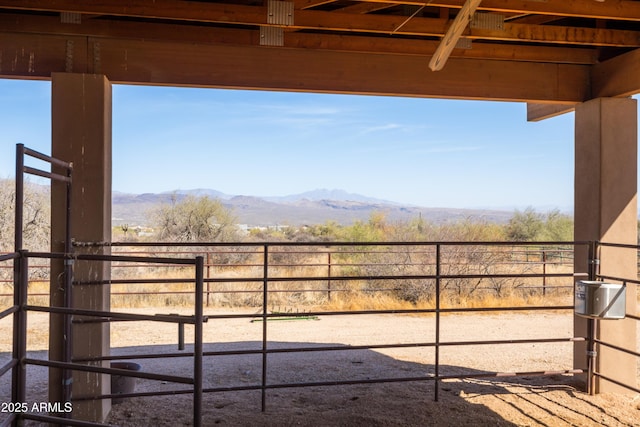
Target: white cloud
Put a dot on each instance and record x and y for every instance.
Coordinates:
(381, 128)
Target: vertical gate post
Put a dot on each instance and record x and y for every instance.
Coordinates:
(265, 302)
(437, 338)
(198, 343)
(329, 275)
(21, 281)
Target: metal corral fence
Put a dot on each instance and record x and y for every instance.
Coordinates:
(20, 359)
(331, 261)
(430, 270)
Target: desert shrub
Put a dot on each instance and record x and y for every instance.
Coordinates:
(195, 219)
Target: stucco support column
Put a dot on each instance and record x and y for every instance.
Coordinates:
(606, 210)
(81, 133)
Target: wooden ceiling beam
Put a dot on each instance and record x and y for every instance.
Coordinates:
(31, 56)
(365, 7)
(191, 10)
(538, 112)
(233, 66)
(345, 42)
(533, 19)
(622, 10)
(335, 21)
(617, 77)
(611, 9)
(436, 27)
(308, 4)
(478, 50)
(559, 34)
(175, 10)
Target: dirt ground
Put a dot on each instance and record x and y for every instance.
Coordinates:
(555, 400)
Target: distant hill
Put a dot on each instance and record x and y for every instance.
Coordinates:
(313, 207)
(324, 194)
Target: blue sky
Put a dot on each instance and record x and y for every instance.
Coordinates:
(435, 153)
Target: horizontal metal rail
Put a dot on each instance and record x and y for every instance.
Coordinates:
(9, 311)
(137, 394)
(422, 378)
(621, 384)
(333, 243)
(632, 316)
(114, 258)
(549, 288)
(618, 279)
(333, 278)
(113, 371)
(45, 174)
(8, 366)
(615, 347)
(9, 256)
(38, 155)
(333, 348)
(117, 315)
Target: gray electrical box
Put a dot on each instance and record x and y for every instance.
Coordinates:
(600, 300)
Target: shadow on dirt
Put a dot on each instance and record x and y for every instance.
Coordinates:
(389, 402)
(542, 401)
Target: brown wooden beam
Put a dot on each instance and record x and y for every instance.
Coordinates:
(365, 7)
(309, 4)
(340, 72)
(538, 112)
(478, 50)
(191, 10)
(617, 77)
(560, 34)
(609, 9)
(34, 57)
(255, 67)
(207, 34)
(335, 21)
(533, 19)
(623, 10)
(383, 24)
(156, 9)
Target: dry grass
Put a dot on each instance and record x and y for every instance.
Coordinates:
(355, 302)
(250, 295)
(38, 294)
(347, 295)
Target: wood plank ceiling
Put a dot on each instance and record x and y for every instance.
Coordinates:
(549, 53)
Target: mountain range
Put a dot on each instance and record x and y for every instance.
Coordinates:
(312, 207)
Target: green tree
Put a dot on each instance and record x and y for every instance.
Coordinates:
(195, 220)
(557, 227)
(374, 230)
(525, 226)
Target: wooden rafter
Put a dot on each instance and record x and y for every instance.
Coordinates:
(179, 9)
(453, 34)
(365, 7)
(581, 48)
(386, 24)
(344, 42)
(237, 66)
